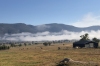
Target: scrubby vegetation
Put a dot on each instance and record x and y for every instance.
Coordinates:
(4, 47)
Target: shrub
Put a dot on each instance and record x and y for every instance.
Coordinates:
(4, 47)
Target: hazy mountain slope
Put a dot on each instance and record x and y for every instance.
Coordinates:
(15, 28)
(54, 27)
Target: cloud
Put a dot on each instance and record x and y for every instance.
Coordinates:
(64, 34)
(87, 20)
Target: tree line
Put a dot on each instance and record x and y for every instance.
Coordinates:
(86, 37)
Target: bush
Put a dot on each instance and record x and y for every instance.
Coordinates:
(45, 44)
(20, 45)
(12, 45)
(4, 47)
(25, 44)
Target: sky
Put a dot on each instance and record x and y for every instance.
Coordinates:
(79, 13)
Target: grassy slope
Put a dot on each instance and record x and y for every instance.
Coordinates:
(47, 56)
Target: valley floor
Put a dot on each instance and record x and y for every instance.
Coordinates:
(33, 55)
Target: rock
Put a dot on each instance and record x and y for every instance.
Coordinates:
(65, 61)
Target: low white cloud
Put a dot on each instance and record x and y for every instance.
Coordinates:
(87, 20)
(64, 34)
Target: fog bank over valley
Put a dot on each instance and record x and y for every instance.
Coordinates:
(41, 36)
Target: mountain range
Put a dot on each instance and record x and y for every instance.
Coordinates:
(53, 27)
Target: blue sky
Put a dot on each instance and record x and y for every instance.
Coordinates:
(37, 12)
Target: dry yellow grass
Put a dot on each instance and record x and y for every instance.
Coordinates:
(33, 55)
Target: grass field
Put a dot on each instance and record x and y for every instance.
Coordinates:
(33, 55)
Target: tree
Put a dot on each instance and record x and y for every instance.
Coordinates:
(25, 44)
(85, 37)
(49, 43)
(20, 45)
(29, 44)
(95, 40)
(45, 44)
(8, 47)
(4, 47)
(36, 43)
(32, 42)
(12, 44)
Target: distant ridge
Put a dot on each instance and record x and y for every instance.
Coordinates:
(53, 27)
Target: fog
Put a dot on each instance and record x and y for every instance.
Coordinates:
(64, 34)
